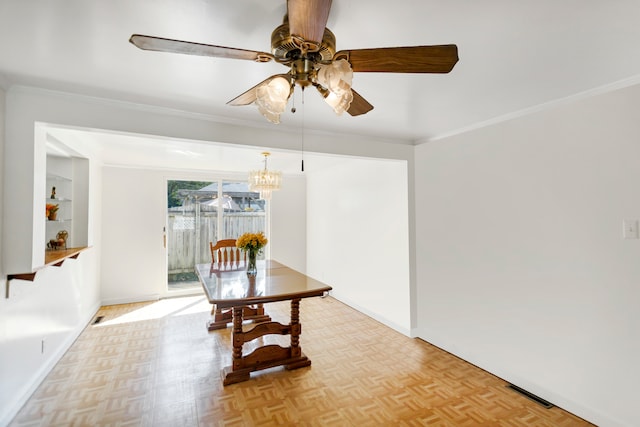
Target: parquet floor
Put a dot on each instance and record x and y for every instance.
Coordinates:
(155, 364)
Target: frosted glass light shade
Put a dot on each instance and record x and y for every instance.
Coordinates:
(271, 98)
(337, 78)
(339, 103)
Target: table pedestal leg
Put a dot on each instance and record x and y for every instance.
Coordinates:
(266, 356)
(300, 360)
(235, 373)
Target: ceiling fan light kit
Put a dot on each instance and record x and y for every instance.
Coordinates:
(304, 45)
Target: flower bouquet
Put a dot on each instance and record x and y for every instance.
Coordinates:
(252, 243)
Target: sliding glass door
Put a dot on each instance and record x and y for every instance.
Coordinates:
(203, 212)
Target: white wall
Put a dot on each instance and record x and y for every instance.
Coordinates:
(521, 265)
(40, 319)
(2, 130)
(358, 236)
(289, 223)
(134, 205)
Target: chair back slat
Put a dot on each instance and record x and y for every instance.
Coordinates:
(225, 255)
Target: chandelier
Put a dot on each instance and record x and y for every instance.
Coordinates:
(264, 181)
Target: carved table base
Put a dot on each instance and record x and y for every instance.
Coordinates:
(222, 318)
(267, 356)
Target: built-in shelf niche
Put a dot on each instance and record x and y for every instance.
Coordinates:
(69, 174)
(59, 222)
(69, 177)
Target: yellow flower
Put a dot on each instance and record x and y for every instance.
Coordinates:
(251, 241)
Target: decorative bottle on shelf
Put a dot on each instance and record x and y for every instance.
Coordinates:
(53, 193)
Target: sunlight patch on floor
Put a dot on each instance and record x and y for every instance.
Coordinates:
(162, 308)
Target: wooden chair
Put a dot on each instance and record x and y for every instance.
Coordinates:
(225, 256)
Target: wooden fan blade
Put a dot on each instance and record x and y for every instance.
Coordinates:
(409, 59)
(189, 48)
(308, 18)
(250, 96)
(359, 105)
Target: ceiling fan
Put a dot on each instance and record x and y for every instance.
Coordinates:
(304, 45)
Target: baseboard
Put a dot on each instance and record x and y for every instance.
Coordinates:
(585, 412)
(374, 316)
(132, 299)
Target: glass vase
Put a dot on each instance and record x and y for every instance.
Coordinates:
(252, 269)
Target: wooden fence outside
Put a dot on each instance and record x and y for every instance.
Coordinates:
(189, 234)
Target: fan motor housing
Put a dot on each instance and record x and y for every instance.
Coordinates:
(285, 48)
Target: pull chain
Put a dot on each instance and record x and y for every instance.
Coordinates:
(293, 110)
(302, 143)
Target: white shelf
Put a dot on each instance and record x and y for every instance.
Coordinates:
(54, 177)
(63, 188)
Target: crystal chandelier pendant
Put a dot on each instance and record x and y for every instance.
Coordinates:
(265, 181)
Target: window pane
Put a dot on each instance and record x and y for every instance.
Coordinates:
(244, 211)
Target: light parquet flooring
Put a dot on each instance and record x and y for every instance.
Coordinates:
(155, 364)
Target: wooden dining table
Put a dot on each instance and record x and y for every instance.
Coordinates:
(228, 286)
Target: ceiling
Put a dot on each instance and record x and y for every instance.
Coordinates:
(179, 155)
(515, 56)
